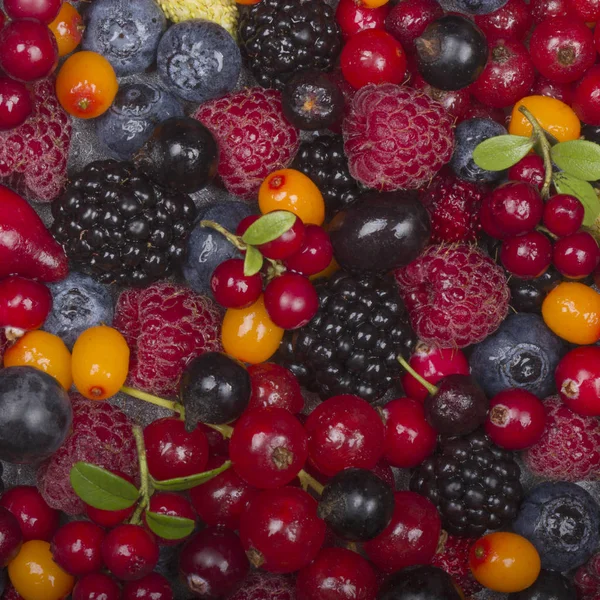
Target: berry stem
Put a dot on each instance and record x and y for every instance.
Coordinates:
(234, 239)
(547, 232)
(307, 481)
(145, 485)
(432, 389)
(224, 430)
(174, 406)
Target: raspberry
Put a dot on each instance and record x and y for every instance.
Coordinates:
(455, 295)
(165, 326)
(33, 157)
(587, 579)
(396, 137)
(253, 135)
(568, 450)
(453, 205)
(11, 594)
(101, 435)
(259, 585)
(453, 557)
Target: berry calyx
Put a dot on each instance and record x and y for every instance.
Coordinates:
(577, 379)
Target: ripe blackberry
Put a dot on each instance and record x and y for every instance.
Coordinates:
(474, 484)
(117, 226)
(351, 345)
(281, 37)
(324, 161)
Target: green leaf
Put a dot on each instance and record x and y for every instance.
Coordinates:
(185, 483)
(253, 262)
(269, 227)
(567, 184)
(101, 488)
(501, 152)
(578, 158)
(168, 527)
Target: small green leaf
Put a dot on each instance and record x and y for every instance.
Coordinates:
(185, 483)
(269, 227)
(567, 184)
(253, 262)
(168, 527)
(579, 158)
(101, 488)
(501, 152)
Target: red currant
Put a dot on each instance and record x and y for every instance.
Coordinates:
(15, 103)
(231, 288)
(577, 379)
(511, 22)
(291, 300)
(110, 518)
(37, 520)
(40, 10)
(456, 102)
(552, 89)
(480, 111)
(576, 255)
(546, 9)
(274, 386)
(11, 537)
(76, 547)
(172, 505)
(24, 304)
(563, 215)
(586, 98)
(409, 19)
(152, 587)
(586, 10)
(352, 16)
(315, 254)
(96, 586)
(129, 552)
(529, 170)
(527, 256)
(516, 207)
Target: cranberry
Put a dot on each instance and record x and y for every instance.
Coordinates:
(577, 255)
(37, 520)
(586, 10)
(353, 16)
(76, 547)
(516, 420)
(315, 254)
(337, 573)
(344, 431)
(40, 10)
(373, 56)
(529, 169)
(11, 536)
(287, 244)
(15, 103)
(217, 444)
(291, 300)
(245, 223)
(562, 48)
(274, 386)
(409, 19)
(577, 379)
(129, 552)
(546, 9)
(480, 111)
(28, 50)
(409, 438)
(110, 518)
(456, 102)
(526, 256)
(412, 536)
(586, 100)
(172, 452)
(212, 563)
(488, 221)
(563, 215)
(24, 304)
(516, 207)
(152, 587)
(231, 288)
(553, 89)
(280, 530)
(172, 505)
(511, 22)
(96, 586)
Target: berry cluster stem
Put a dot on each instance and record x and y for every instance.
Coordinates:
(145, 485)
(307, 481)
(225, 430)
(234, 239)
(162, 402)
(432, 389)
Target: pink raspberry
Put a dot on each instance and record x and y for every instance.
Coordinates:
(570, 447)
(587, 579)
(165, 326)
(396, 137)
(101, 435)
(455, 295)
(253, 135)
(10, 593)
(260, 586)
(453, 558)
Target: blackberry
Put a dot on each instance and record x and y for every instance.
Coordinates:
(474, 484)
(351, 345)
(119, 227)
(281, 37)
(324, 161)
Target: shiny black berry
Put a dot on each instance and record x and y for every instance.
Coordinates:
(548, 586)
(419, 583)
(527, 295)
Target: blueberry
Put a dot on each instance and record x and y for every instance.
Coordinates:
(199, 60)
(472, 7)
(467, 136)
(35, 415)
(562, 521)
(79, 303)
(522, 353)
(548, 586)
(129, 122)
(126, 33)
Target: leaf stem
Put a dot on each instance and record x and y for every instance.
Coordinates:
(225, 430)
(145, 485)
(234, 239)
(540, 136)
(432, 389)
(162, 402)
(307, 481)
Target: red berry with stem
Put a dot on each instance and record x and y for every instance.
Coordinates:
(516, 207)
(409, 19)
(231, 288)
(11, 536)
(352, 16)
(577, 255)
(24, 304)
(516, 420)
(110, 518)
(274, 386)
(15, 103)
(456, 102)
(152, 587)
(40, 10)
(561, 91)
(586, 98)
(563, 215)
(315, 253)
(76, 547)
(527, 256)
(287, 244)
(577, 379)
(291, 300)
(96, 586)
(546, 9)
(130, 552)
(511, 22)
(172, 505)
(280, 530)
(529, 170)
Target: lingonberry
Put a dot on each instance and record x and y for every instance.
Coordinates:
(516, 207)
(353, 16)
(212, 563)
(44, 10)
(315, 253)
(172, 505)
(24, 304)
(344, 431)
(280, 530)
(268, 447)
(11, 536)
(110, 518)
(516, 419)
(529, 170)
(129, 552)
(456, 102)
(545, 87)
(274, 386)
(291, 300)
(173, 452)
(577, 255)
(481, 111)
(409, 19)
(232, 288)
(15, 103)
(487, 220)
(527, 256)
(586, 98)
(37, 520)
(511, 22)
(586, 10)
(152, 587)
(96, 586)
(76, 547)
(287, 244)
(577, 379)
(546, 9)
(563, 215)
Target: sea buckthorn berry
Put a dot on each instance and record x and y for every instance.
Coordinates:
(67, 29)
(577, 255)
(100, 362)
(76, 547)
(577, 379)
(563, 214)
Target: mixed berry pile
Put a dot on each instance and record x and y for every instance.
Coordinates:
(321, 318)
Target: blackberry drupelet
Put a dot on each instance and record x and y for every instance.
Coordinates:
(117, 226)
(281, 37)
(351, 345)
(324, 161)
(474, 484)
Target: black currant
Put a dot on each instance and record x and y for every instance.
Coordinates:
(419, 583)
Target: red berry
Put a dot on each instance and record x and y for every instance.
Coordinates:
(480, 111)
(352, 16)
(373, 56)
(287, 244)
(24, 304)
(28, 50)
(409, 19)
(576, 255)
(274, 386)
(11, 536)
(563, 215)
(245, 223)
(96, 586)
(129, 552)
(553, 89)
(527, 256)
(152, 587)
(516, 207)
(231, 288)
(76, 547)
(110, 518)
(453, 558)
(511, 22)
(529, 170)
(577, 379)
(172, 505)
(456, 102)
(586, 10)
(15, 103)
(315, 254)
(586, 100)
(40, 10)
(488, 221)
(291, 300)
(516, 419)
(546, 9)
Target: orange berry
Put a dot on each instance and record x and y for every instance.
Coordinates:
(67, 29)
(327, 271)
(288, 189)
(246, 2)
(43, 351)
(249, 335)
(35, 576)
(572, 311)
(555, 117)
(504, 562)
(100, 362)
(86, 85)
(374, 3)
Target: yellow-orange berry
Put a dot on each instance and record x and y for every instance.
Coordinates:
(67, 29)
(554, 116)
